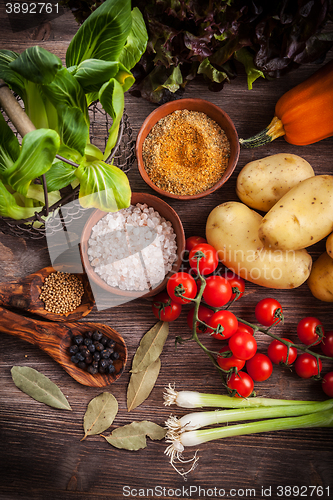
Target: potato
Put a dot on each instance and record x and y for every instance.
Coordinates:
(261, 183)
(329, 245)
(232, 229)
(302, 216)
(321, 278)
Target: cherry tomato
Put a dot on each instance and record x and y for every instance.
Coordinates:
(327, 384)
(277, 352)
(226, 363)
(259, 367)
(308, 329)
(184, 284)
(242, 383)
(237, 284)
(306, 366)
(242, 327)
(207, 255)
(192, 241)
(217, 291)
(243, 345)
(268, 311)
(204, 314)
(226, 324)
(327, 344)
(164, 308)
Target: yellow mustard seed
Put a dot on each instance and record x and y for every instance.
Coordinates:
(61, 292)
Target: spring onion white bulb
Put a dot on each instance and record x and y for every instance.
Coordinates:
(194, 399)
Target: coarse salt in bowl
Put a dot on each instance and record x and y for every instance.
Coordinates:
(132, 252)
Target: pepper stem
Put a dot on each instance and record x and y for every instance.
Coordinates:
(274, 130)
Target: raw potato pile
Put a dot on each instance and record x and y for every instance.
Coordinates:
(271, 250)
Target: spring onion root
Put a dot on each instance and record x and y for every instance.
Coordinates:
(193, 399)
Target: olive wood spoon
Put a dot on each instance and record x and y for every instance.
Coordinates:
(24, 294)
(55, 340)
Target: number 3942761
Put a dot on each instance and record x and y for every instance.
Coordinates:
(31, 8)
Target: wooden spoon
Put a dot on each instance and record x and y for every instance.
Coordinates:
(55, 340)
(24, 294)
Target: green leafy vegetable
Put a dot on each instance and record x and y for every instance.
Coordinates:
(60, 175)
(10, 208)
(39, 387)
(39, 147)
(111, 96)
(200, 37)
(56, 98)
(133, 436)
(9, 146)
(37, 65)
(100, 414)
(103, 186)
(111, 21)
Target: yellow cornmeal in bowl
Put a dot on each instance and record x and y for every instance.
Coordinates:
(186, 152)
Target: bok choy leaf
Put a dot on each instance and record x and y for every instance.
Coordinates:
(102, 35)
(37, 65)
(111, 97)
(39, 148)
(103, 186)
(10, 208)
(60, 175)
(9, 146)
(136, 42)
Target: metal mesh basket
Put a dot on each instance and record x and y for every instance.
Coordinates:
(123, 156)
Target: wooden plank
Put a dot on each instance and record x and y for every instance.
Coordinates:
(41, 453)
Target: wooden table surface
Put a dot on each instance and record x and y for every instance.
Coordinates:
(41, 453)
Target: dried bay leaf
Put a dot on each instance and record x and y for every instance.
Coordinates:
(141, 384)
(133, 436)
(150, 347)
(39, 387)
(100, 414)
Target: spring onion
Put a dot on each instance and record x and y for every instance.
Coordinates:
(197, 420)
(278, 414)
(196, 437)
(194, 399)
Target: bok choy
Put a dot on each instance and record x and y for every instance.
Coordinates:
(56, 98)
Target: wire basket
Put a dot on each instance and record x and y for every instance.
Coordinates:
(122, 156)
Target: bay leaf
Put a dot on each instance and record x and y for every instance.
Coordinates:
(150, 347)
(100, 414)
(133, 436)
(141, 384)
(39, 387)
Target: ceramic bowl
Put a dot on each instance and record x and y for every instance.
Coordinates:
(165, 211)
(214, 112)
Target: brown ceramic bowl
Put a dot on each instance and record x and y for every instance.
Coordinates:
(211, 110)
(165, 211)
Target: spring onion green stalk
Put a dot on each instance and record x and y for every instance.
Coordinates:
(197, 420)
(194, 399)
(180, 440)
